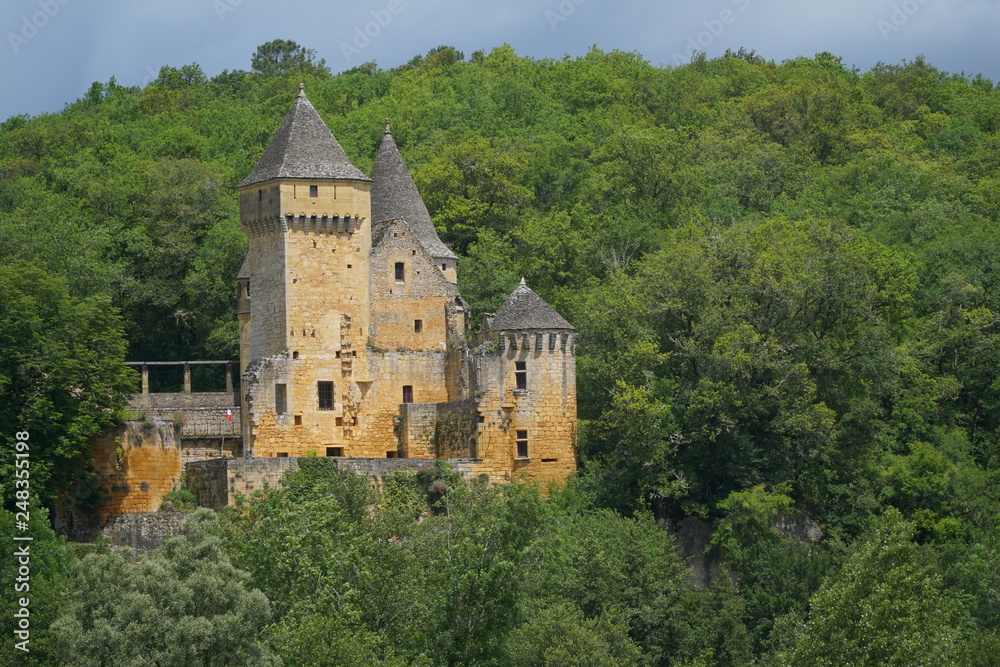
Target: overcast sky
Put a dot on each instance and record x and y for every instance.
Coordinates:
(53, 50)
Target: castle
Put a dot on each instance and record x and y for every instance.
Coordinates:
(353, 333)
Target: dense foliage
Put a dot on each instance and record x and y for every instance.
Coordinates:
(785, 278)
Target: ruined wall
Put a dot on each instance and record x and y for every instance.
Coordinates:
(216, 483)
(137, 465)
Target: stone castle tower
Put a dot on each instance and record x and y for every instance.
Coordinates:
(353, 333)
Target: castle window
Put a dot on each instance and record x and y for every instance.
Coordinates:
(400, 272)
(282, 455)
(407, 394)
(552, 341)
(280, 399)
(260, 195)
(334, 451)
(444, 267)
(314, 191)
(325, 392)
(392, 454)
(418, 326)
(521, 375)
(298, 420)
(522, 444)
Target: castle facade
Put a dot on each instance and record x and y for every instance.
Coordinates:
(353, 333)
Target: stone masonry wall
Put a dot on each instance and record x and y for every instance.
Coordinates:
(216, 483)
(420, 295)
(138, 466)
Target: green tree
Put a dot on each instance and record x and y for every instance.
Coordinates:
(62, 376)
(184, 605)
(884, 607)
(560, 635)
(284, 55)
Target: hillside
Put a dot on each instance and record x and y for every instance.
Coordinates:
(785, 278)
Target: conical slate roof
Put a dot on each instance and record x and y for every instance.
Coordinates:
(394, 195)
(244, 273)
(526, 310)
(303, 147)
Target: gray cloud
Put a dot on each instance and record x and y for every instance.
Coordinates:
(53, 50)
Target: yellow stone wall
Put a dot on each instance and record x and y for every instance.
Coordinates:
(420, 295)
(138, 465)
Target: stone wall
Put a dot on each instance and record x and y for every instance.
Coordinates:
(137, 464)
(199, 422)
(420, 294)
(217, 483)
(143, 532)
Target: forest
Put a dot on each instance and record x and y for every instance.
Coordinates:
(785, 281)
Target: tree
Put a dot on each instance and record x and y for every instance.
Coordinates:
(560, 635)
(184, 605)
(283, 55)
(883, 608)
(61, 375)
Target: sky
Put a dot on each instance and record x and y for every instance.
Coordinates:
(53, 50)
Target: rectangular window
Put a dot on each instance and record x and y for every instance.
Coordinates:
(418, 326)
(400, 272)
(280, 399)
(314, 191)
(522, 444)
(260, 195)
(444, 267)
(407, 394)
(334, 451)
(282, 455)
(392, 454)
(298, 420)
(521, 374)
(325, 392)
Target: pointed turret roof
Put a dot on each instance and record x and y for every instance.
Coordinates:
(524, 309)
(244, 273)
(394, 195)
(303, 147)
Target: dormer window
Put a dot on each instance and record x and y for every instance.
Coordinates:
(314, 191)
